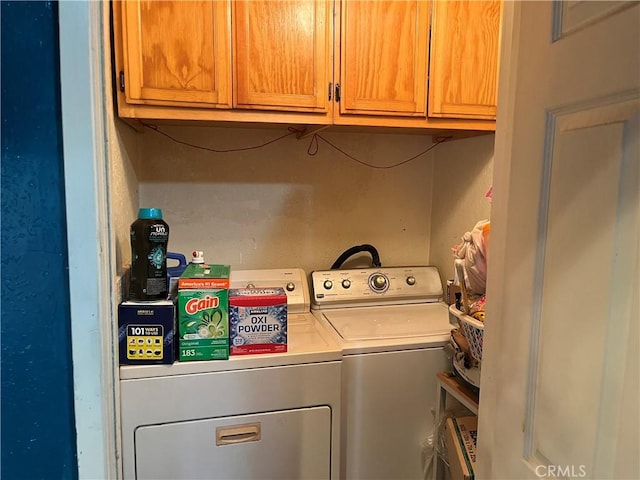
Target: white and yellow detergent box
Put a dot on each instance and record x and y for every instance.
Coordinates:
(257, 320)
(203, 321)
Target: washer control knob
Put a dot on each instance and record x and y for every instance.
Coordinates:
(346, 283)
(378, 282)
(411, 280)
(328, 284)
(290, 287)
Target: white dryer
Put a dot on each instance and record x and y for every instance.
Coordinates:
(251, 417)
(392, 326)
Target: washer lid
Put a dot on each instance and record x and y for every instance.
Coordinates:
(392, 321)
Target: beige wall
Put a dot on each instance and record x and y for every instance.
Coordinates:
(462, 174)
(276, 206)
(124, 162)
(123, 188)
(279, 207)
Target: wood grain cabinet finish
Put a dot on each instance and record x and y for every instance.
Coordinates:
(282, 54)
(383, 51)
(177, 52)
(383, 63)
(463, 73)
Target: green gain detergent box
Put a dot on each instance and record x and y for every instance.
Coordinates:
(203, 313)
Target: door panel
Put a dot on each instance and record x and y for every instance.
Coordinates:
(383, 57)
(572, 15)
(559, 395)
(177, 52)
(282, 54)
(463, 68)
(579, 203)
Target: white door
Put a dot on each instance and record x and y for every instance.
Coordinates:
(284, 444)
(559, 395)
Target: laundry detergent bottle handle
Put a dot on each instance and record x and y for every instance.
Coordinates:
(149, 240)
(174, 271)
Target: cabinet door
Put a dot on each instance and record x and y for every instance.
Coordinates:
(383, 57)
(464, 59)
(287, 444)
(282, 54)
(177, 52)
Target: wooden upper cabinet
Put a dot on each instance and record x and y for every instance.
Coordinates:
(280, 61)
(177, 52)
(464, 59)
(282, 55)
(383, 57)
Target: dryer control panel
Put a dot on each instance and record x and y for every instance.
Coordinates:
(375, 286)
(292, 280)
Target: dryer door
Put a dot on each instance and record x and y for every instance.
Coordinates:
(282, 444)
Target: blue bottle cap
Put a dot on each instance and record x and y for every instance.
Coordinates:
(150, 213)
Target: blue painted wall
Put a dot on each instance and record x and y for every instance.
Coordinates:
(38, 432)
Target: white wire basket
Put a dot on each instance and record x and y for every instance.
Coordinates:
(472, 329)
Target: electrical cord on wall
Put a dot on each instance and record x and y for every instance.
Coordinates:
(155, 128)
(312, 149)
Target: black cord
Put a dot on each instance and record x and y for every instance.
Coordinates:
(375, 257)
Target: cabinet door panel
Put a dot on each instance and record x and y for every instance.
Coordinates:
(282, 54)
(464, 59)
(383, 57)
(177, 52)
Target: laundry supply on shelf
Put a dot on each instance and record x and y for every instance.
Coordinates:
(257, 320)
(174, 272)
(203, 311)
(146, 332)
(149, 239)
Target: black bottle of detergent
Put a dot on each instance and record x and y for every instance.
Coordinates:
(149, 239)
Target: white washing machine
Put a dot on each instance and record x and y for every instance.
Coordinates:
(262, 416)
(392, 325)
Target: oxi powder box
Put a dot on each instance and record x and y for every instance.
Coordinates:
(257, 320)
